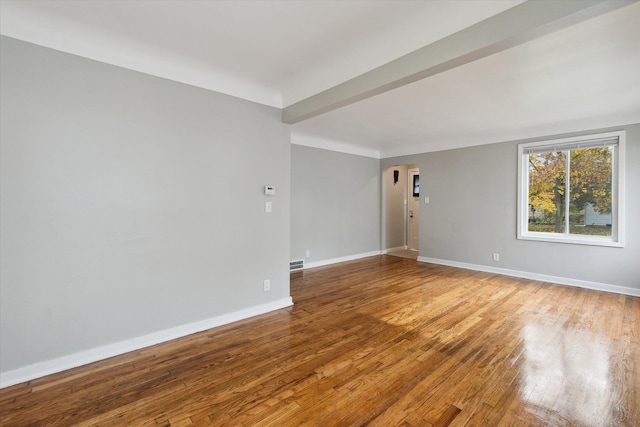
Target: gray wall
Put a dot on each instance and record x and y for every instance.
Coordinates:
(130, 204)
(335, 204)
(472, 214)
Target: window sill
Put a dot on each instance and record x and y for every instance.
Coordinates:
(574, 239)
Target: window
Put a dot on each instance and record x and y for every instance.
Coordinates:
(571, 190)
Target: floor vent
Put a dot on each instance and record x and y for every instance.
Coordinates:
(296, 265)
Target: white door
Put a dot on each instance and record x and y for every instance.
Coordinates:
(413, 209)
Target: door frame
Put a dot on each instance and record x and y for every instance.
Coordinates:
(411, 199)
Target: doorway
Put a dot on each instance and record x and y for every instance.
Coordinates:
(400, 211)
(413, 210)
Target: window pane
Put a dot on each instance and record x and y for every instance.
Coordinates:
(590, 208)
(547, 178)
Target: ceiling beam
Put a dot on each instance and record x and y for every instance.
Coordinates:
(520, 24)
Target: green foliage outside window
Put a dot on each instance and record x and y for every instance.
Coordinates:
(589, 173)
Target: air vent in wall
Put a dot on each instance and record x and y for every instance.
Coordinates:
(296, 265)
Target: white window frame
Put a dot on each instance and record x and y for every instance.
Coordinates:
(617, 187)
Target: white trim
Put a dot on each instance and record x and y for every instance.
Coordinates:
(618, 195)
(74, 360)
(399, 248)
(341, 259)
(596, 286)
(305, 140)
(574, 239)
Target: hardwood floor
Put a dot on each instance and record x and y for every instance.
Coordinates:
(382, 341)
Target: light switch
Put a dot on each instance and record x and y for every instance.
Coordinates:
(426, 200)
(267, 207)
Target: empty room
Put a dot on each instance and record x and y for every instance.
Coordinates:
(320, 213)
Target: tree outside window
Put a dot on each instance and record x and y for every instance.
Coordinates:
(589, 183)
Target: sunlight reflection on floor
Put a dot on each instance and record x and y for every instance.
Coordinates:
(567, 372)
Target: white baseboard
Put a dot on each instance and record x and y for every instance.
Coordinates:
(399, 248)
(74, 360)
(341, 259)
(596, 286)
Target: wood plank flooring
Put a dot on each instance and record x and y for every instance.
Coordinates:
(382, 341)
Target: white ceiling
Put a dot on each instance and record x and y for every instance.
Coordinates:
(280, 52)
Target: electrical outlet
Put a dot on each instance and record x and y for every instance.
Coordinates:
(267, 285)
(496, 256)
